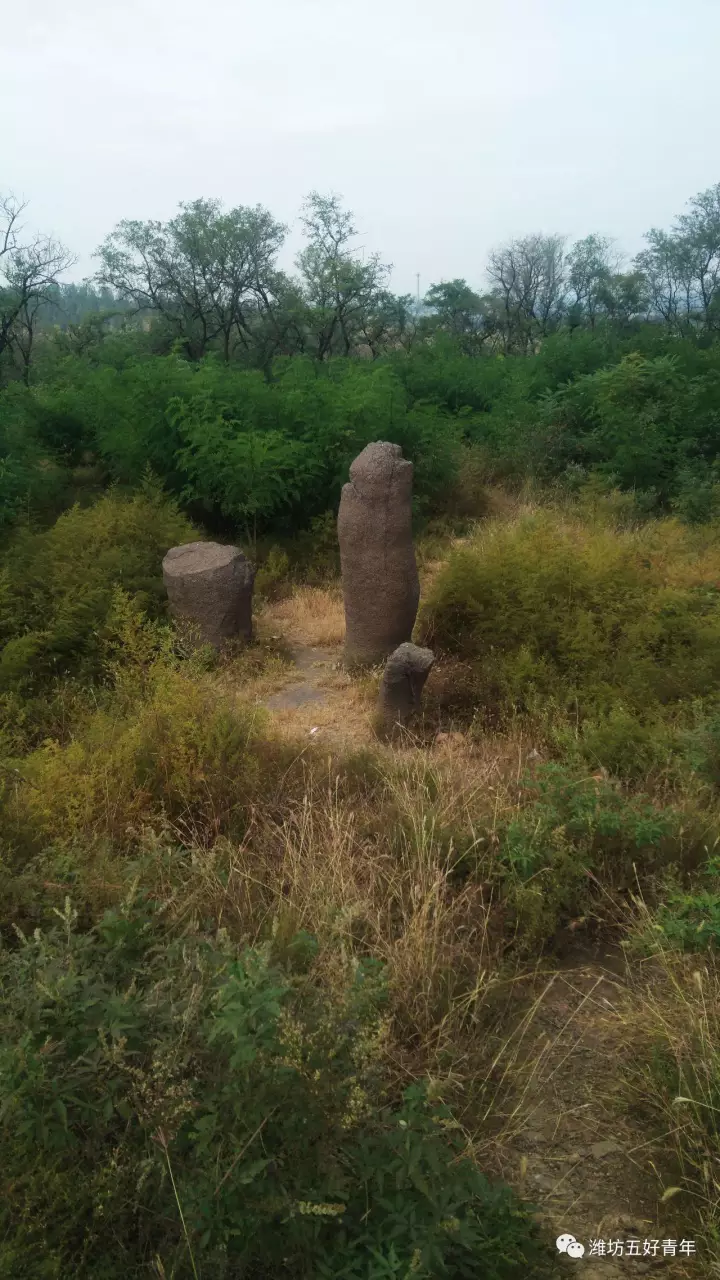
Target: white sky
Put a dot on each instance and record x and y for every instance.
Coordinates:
(447, 126)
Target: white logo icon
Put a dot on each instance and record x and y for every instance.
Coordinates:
(569, 1245)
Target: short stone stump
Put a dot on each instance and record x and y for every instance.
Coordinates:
(210, 586)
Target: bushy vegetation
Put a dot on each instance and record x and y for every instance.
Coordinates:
(249, 392)
(223, 1091)
(57, 586)
(251, 451)
(609, 633)
(235, 448)
(167, 1100)
(158, 778)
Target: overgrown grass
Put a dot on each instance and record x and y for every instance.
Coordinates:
(315, 615)
(173, 1104)
(383, 912)
(674, 1075)
(268, 888)
(601, 638)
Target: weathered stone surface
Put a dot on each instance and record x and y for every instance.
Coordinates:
(210, 586)
(381, 588)
(403, 680)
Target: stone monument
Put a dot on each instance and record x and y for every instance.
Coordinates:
(402, 684)
(210, 586)
(381, 589)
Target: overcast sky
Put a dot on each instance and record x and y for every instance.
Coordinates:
(447, 126)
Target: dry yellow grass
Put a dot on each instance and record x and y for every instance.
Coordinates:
(374, 869)
(344, 718)
(674, 1074)
(311, 615)
(370, 869)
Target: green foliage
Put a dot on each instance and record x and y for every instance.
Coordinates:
(569, 826)
(246, 475)
(685, 916)
(557, 616)
(175, 1098)
(120, 412)
(624, 742)
(206, 272)
(317, 550)
(682, 267)
(626, 421)
(641, 411)
(235, 446)
(690, 921)
(701, 742)
(697, 500)
(343, 297)
(33, 482)
(271, 450)
(457, 310)
(161, 748)
(272, 578)
(58, 584)
(316, 423)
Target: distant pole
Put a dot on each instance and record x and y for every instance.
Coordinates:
(417, 277)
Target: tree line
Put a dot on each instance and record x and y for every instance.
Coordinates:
(208, 281)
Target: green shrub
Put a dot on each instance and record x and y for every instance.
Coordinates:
(164, 747)
(34, 481)
(623, 743)
(57, 586)
(315, 552)
(119, 412)
(697, 500)
(640, 407)
(265, 453)
(579, 621)
(600, 502)
(686, 917)
(569, 826)
(634, 407)
(272, 578)
(170, 1101)
(701, 743)
(468, 497)
(690, 921)
(626, 421)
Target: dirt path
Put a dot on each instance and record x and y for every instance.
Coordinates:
(575, 1149)
(320, 700)
(315, 664)
(314, 696)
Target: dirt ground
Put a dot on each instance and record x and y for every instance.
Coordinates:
(575, 1149)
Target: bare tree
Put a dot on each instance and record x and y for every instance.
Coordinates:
(527, 279)
(682, 266)
(23, 334)
(29, 271)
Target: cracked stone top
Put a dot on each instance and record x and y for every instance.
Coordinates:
(199, 557)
